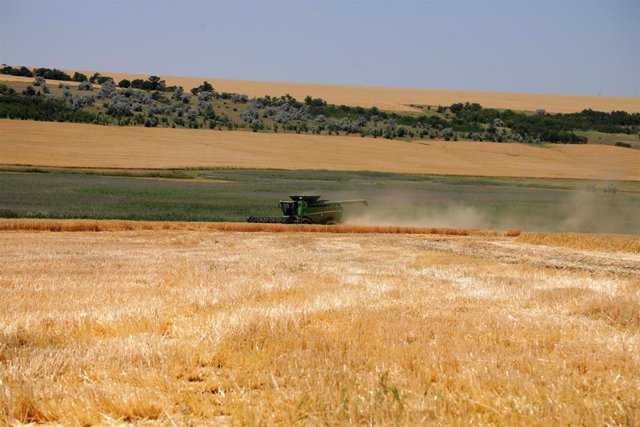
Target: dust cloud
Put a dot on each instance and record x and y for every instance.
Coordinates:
(578, 210)
(448, 216)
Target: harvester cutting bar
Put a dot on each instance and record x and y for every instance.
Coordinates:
(270, 219)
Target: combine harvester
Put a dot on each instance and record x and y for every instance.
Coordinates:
(308, 210)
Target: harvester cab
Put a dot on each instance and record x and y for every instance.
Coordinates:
(309, 210)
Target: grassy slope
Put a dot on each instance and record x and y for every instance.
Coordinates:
(610, 138)
(233, 112)
(233, 195)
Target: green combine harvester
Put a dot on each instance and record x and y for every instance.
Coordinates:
(308, 210)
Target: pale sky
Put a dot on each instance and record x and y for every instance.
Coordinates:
(585, 47)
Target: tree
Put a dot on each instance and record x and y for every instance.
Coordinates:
(124, 83)
(314, 102)
(204, 87)
(54, 74)
(155, 83)
(79, 77)
(22, 71)
(97, 78)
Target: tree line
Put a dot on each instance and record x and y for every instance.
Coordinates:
(151, 102)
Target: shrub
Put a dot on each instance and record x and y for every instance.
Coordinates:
(207, 95)
(193, 113)
(177, 93)
(107, 90)
(623, 144)
(239, 98)
(447, 134)
(85, 85)
(250, 114)
(142, 97)
(6, 90)
(29, 91)
(151, 122)
(119, 106)
(124, 83)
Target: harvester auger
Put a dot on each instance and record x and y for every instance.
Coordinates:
(309, 210)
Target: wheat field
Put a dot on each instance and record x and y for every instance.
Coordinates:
(195, 326)
(92, 146)
(393, 99)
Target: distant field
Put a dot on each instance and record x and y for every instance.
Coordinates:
(80, 145)
(396, 99)
(201, 327)
(394, 199)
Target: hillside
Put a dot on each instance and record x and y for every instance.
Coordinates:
(395, 99)
(81, 145)
(151, 102)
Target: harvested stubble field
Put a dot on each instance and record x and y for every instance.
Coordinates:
(91, 146)
(393, 99)
(203, 326)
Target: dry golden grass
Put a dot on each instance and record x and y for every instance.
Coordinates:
(396, 99)
(118, 225)
(198, 327)
(590, 242)
(81, 145)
